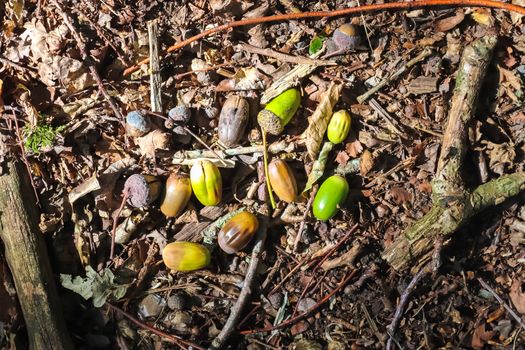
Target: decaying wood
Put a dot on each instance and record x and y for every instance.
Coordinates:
(28, 261)
(155, 78)
(453, 204)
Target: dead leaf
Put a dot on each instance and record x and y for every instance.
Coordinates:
(153, 141)
(342, 158)
(318, 122)
(481, 336)
(354, 147)
(244, 79)
(400, 195)
(366, 163)
(517, 296)
(319, 165)
(449, 23)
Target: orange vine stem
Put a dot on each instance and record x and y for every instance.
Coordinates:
(336, 13)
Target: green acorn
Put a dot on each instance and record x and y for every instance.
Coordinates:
(329, 197)
(279, 111)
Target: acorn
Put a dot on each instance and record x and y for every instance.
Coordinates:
(339, 126)
(329, 197)
(137, 123)
(279, 111)
(177, 194)
(142, 189)
(186, 256)
(206, 182)
(238, 232)
(346, 37)
(233, 120)
(282, 180)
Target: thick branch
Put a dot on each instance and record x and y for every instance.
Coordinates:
(474, 61)
(453, 205)
(26, 255)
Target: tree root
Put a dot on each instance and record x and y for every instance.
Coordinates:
(453, 205)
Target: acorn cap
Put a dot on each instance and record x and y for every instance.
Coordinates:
(141, 189)
(279, 111)
(346, 37)
(137, 123)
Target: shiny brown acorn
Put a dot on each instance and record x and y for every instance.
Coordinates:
(282, 180)
(232, 120)
(177, 194)
(238, 232)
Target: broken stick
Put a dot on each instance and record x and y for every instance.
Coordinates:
(453, 204)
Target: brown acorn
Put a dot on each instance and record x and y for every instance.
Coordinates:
(233, 120)
(238, 232)
(282, 180)
(177, 194)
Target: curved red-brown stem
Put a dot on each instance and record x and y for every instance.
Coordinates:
(337, 13)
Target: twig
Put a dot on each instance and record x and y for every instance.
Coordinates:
(154, 77)
(115, 222)
(306, 313)
(266, 172)
(15, 65)
(246, 291)
(424, 54)
(205, 145)
(180, 342)
(285, 57)
(503, 303)
(24, 159)
(303, 222)
(403, 301)
(87, 60)
(343, 12)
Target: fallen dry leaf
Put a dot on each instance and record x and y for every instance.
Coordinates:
(400, 195)
(354, 147)
(517, 296)
(366, 163)
(244, 79)
(483, 16)
(481, 336)
(318, 122)
(451, 22)
(153, 141)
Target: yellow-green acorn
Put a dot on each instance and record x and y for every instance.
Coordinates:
(206, 182)
(279, 111)
(339, 126)
(186, 256)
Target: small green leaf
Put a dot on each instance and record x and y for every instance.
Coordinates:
(316, 44)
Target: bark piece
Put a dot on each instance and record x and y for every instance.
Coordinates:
(28, 261)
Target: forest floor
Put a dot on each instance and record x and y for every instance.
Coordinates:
(80, 153)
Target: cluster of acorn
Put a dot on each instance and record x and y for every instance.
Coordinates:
(205, 179)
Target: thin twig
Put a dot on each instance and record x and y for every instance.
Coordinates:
(180, 342)
(285, 57)
(24, 159)
(424, 54)
(343, 12)
(115, 224)
(303, 221)
(502, 302)
(246, 291)
(87, 60)
(403, 301)
(154, 77)
(307, 312)
(205, 145)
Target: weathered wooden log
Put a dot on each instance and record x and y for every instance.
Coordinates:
(28, 261)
